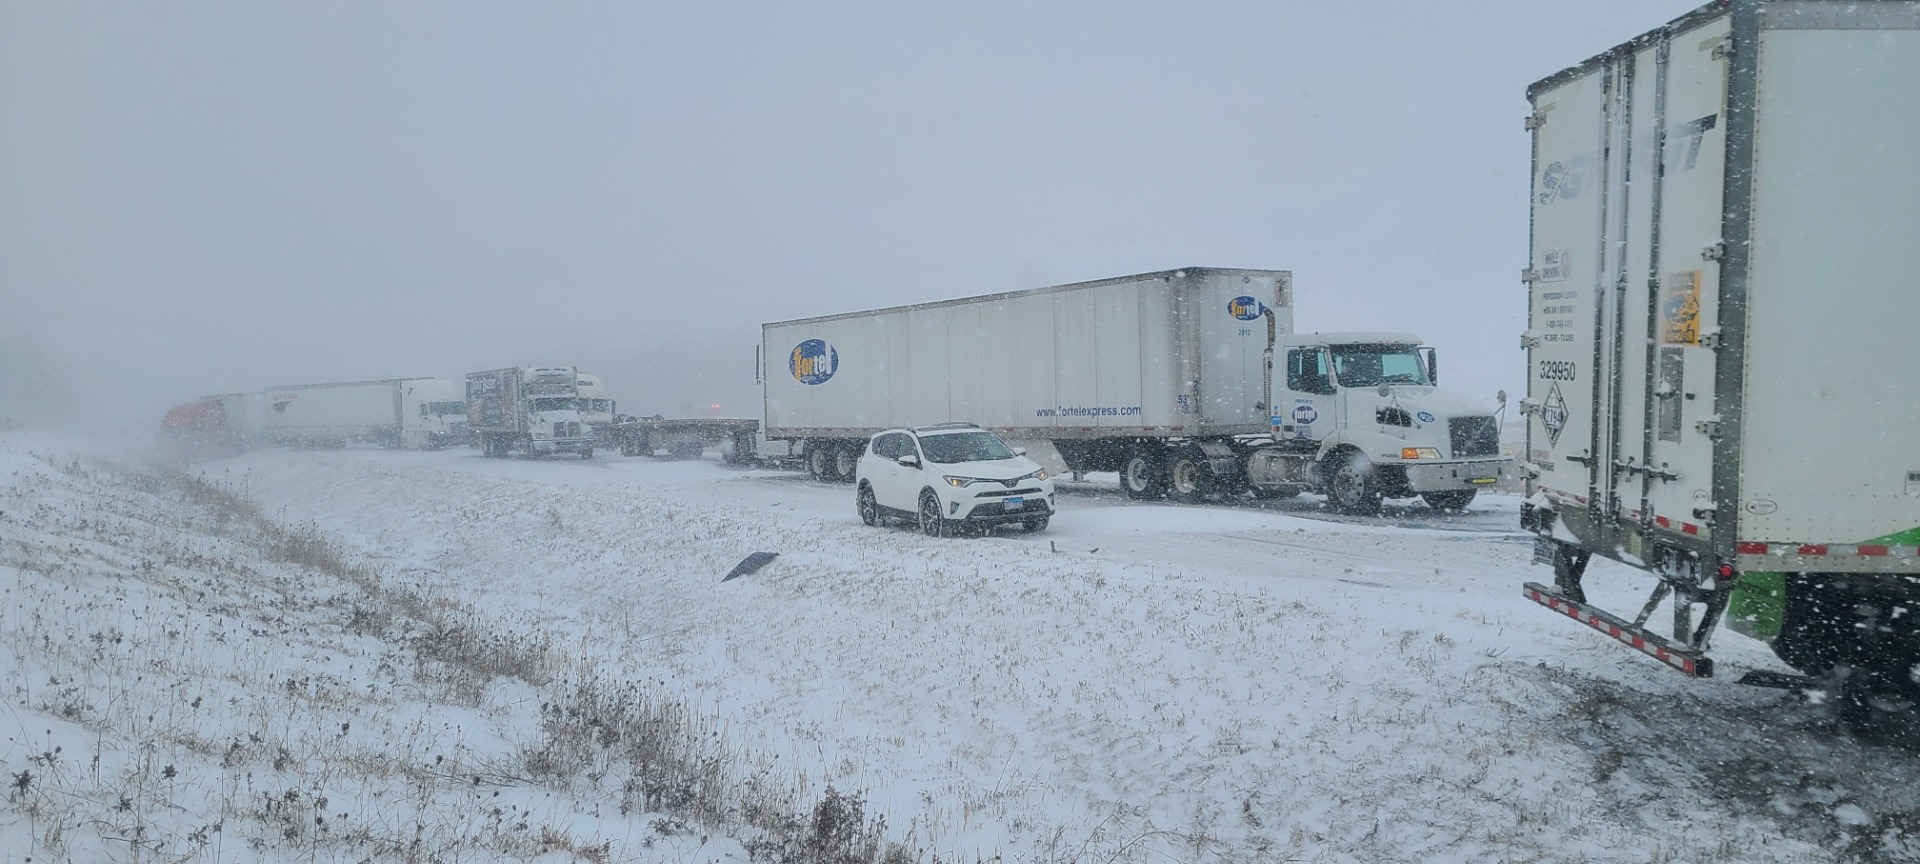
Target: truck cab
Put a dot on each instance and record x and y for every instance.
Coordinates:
(1369, 409)
(433, 414)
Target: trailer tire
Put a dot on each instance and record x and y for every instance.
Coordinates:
(1456, 499)
(1351, 487)
(819, 462)
(1878, 708)
(846, 458)
(1143, 475)
(1189, 476)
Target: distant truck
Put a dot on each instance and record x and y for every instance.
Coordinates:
(596, 406)
(414, 413)
(1720, 342)
(1189, 383)
(528, 409)
(687, 438)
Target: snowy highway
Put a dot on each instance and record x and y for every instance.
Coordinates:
(1211, 682)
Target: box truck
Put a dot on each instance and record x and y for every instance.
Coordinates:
(528, 409)
(1186, 382)
(416, 413)
(1720, 341)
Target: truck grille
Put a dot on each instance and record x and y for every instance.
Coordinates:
(1474, 436)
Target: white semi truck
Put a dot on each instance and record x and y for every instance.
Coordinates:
(416, 413)
(528, 409)
(1186, 382)
(1720, 341)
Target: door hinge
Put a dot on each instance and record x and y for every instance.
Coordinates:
(1723, 50)
(1704, 515)
(1710, 338)
(1529, 341)
(1528, 406)
(1529, 276)
(1535, 120)
(1709, 428)
(1714, 252)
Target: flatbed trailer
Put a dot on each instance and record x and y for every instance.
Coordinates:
(687, 438)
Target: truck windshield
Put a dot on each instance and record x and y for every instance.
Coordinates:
(965, 447)
(1374, 364)
(447, 408)
(553, 403)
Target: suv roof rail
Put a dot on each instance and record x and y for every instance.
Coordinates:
(937, 427)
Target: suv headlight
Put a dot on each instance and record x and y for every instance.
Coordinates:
(960, 482)
(1037, 475)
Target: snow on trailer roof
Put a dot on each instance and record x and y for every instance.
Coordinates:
(1163, 275)
(1681, 24)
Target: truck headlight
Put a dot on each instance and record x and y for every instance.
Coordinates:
(1412, 453)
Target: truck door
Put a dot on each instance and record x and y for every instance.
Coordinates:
(1308, 408)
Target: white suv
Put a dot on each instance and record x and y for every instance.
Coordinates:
(950, 477)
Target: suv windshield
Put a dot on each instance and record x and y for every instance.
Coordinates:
(1375, 364)
(965, 447)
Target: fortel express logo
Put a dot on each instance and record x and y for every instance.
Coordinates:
(1245, 308)
(813, 361)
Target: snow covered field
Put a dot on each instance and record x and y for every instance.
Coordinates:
(1139, 683)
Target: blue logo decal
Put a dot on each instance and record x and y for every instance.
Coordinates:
(1245, 308)
(813, 361)
(1424, 417)
(1304, 415)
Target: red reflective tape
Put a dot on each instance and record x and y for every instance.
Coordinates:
(1873, 550)
(1689, 528)
(1662, 521)
(1814, 549)
(1751, 548)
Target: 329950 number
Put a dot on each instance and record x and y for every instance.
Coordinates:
(1556, 370)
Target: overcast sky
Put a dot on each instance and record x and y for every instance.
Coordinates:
(200, 198)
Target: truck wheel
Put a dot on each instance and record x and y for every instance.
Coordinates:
(1189, 477)
(1457, 499)
(1351, 488)
(587, 453)
(846, 458)
(933, 523)
(1142, 475)
(869, 508)
(1878, 708)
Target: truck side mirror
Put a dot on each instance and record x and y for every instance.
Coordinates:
(1433, 365)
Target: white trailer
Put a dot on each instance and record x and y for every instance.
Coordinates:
(528, 409)
(1168, 378)
(1720, 340)
(417, 413)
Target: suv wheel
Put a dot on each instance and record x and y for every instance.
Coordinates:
(932, 522)
(869, 508)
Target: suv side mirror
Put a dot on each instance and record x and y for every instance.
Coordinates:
(910, 461)
(1019, 451)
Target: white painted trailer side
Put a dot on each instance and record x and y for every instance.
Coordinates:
(1831, 438)
(334, 414)
(1155, 355)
